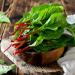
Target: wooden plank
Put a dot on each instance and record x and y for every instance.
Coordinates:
(1, 1)
(22, 65)
(2, 5)
(2, 56)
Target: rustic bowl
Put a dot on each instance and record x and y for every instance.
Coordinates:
(43, 58)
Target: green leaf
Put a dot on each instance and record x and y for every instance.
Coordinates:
(37, 42)
(55, 21)
(40, 17)
(4, 18)
(4, 69)
(50, 34)
(71, 29)
(20, 21)
(39, 8)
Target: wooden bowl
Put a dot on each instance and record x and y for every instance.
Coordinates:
(43, 58)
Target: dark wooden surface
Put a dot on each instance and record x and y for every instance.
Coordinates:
(2, 56)
(53, 66)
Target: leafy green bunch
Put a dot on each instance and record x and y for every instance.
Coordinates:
(47, 24)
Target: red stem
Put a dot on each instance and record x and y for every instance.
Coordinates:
(21, 50)
(7, 48)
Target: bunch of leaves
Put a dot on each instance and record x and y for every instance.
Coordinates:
(48, 23)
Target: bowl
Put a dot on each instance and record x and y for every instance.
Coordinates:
(43, 58)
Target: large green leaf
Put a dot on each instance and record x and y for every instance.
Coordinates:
(55, 21)
(50, 34)
(71, 29)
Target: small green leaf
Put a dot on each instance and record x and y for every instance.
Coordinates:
(50, 34)
(71, 29)
(4, 18)
(4, 68)
(37, 42)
